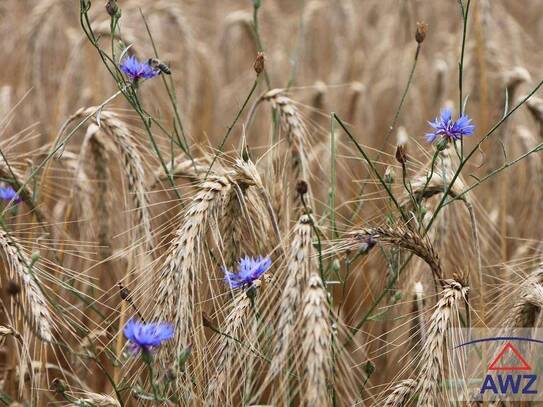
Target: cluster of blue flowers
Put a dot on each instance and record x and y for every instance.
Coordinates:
(144, 337)
(8, 194)
(447, 128)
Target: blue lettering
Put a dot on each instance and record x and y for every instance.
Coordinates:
(509, 383)
(489, 384)
(527, 387)
(504, 385)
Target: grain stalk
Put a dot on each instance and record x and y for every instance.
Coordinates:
(133, 166)
(527, 307)
(400, 394)
(405, 238)
(301, 263)
(296, 134)
(241, 312)
(177, 280)
(20, 268)
(317, 344)
(431, 371)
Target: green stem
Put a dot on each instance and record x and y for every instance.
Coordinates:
(333, 178)
(508, 164)
(296, 54)
(256, 32)
(171, 95)
(465, 13)
(372, 166)
(474, 150)
(392, 126)
(148, 362)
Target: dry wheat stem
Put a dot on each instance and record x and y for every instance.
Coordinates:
(406, 239)
(419, 309)
(535, 106)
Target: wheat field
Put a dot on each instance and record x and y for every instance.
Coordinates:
(265, 202)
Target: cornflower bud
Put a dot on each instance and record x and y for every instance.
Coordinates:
(259, 63)
(401, 146)
(420, 34)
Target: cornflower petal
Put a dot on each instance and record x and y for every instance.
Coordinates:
(249, 270)
(135, 69)
(147, 336)
(447, 128)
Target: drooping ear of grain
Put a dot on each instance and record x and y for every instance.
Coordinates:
(406, 239)
(20, 270)
(181, 167)
(528, 303)
(133, 167)
(297, 137)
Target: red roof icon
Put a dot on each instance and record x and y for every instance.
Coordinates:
(508, 346)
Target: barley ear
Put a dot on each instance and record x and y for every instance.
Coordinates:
(431, 371)
(20, 267)
(317, 343)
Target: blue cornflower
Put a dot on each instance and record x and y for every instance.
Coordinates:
(249, 270)
(135, 69)
(445, 127)
(8, 193)
(144, 337)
